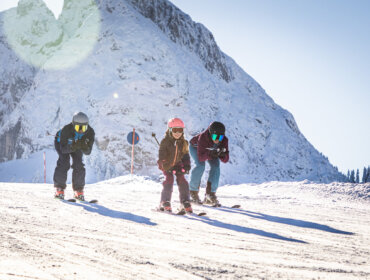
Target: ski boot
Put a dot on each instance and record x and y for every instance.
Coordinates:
(165, 206)
(187, 207)
(79, 195)
(194, 197)
(59, 193)
(211, 199)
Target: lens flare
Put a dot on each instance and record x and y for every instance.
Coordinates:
(35, 35)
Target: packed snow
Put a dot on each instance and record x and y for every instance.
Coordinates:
(294, 230)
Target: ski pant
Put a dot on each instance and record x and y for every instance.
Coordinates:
(63, 165)
(168, 187)
(198, 170)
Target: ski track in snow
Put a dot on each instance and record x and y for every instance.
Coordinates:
(294, 230)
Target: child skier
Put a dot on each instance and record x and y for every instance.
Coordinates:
(173, 160)
(72, 141)
(212, 146)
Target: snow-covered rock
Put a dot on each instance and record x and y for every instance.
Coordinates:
(151, 62)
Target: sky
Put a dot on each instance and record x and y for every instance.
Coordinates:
(311, 56)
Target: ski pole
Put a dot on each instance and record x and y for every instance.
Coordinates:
(153, 135)
(44, 168)
(132, 154)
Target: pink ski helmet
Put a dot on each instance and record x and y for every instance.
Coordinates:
(175, 122)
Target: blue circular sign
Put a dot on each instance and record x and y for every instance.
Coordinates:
(136, 138)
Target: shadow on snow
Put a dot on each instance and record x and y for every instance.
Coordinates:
(242, 229)
(288, 221)
(104, 211)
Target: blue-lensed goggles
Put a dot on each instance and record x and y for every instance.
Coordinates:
(217, 136)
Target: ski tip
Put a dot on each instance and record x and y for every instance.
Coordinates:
(202, 214)
(93, 201)
(71, 200)
(235, 206)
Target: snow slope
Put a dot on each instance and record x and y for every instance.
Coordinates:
(294, 230)
(150, 62)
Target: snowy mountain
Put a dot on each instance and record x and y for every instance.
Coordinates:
(291, 230)
(135, 64)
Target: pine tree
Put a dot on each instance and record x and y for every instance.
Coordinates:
(352, 177)
(357, 176)
(364, 174)
(348, 176)
(367, 178)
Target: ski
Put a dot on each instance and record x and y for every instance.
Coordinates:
(180, 212)
(93, 201)
(183, 212)
(167, 212)
(236, 206)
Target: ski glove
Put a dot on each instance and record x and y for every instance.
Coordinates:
(160, 164)
(187, 168)
(222, 153)
(213, 154)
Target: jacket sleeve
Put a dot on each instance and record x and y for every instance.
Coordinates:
(225, 144)
(162, 154)
(89, 140)
(65, 143)
(202, 151)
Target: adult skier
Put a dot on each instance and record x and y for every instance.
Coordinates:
(174, 160)
(212, 146)
(72, 141)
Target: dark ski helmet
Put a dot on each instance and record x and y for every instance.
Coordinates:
(80, 118)
(217, 128)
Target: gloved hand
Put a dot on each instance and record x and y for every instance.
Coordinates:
(222, 153)
(187, 168)
(213, 154)
(75, 146)
(160, 164)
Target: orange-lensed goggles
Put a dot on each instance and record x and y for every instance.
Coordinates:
(79, 127)
(177, 130)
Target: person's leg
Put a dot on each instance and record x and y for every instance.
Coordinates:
(167, 187)
(79, 172)
(61, 170)
(214, 174)
(183, 185)
(197, 171)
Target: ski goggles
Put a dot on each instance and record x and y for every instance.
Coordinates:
(177, 130)
(82, 127)
(217, 136)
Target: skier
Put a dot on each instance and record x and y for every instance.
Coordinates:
(73, 140)
(211, 145)
(173, 160)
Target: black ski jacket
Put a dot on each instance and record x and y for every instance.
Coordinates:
(67, 136)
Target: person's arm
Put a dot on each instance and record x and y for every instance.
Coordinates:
(224, 155)
(88, 142)
(202, 151)
(66, 142)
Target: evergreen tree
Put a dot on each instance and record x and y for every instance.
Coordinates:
(357, 176)
(367, 178)
(348, 176)
(352, 177)
(364, 174)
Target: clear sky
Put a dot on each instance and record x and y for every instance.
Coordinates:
(311, 56)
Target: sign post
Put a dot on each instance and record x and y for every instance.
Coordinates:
(132, 138)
